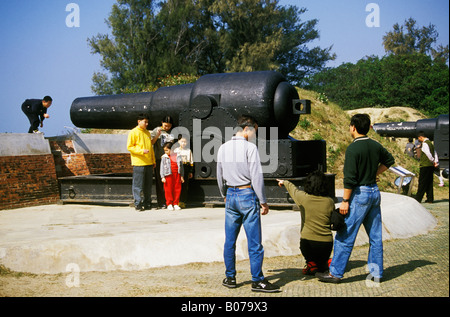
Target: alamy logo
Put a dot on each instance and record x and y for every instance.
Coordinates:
(207, 152)
(73, 276)
(373, 19)
(73, 18)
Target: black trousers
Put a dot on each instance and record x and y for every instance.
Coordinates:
(159, 187)
(425, 184)
(185, 186)
(33, 118)
(317, 251)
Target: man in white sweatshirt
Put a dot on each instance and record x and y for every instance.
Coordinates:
(241, 184)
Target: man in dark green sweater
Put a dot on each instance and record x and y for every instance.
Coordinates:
(365, 159)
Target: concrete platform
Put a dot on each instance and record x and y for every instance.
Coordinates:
(58, 238)
(16, 144)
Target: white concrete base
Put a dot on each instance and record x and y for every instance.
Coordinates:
(56, 239)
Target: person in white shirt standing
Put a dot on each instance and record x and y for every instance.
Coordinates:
(187, 160)
(241, 184)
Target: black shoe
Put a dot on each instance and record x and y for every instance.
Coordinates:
(148, 207)
(140, 207)
(264, 286)
(229, 282)
(326, 277)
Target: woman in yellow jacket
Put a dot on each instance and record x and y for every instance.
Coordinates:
(139, 144)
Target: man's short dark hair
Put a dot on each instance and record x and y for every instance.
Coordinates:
(167, 119)
(47, 98)
(247, 121)
(361, 122)
(421, 134)
(143, 116)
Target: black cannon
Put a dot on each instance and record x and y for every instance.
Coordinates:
(435, 129)
(207, 111)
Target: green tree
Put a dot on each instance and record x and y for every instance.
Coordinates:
(130, 54)
(437, 102)
(262, 35)
(412, 80)
(406, 79)
(181, 27)
(418, 75)
(409, 39)
(352, 85)
(153, 39)
(412, 74)
(296, 61)
(248, 36)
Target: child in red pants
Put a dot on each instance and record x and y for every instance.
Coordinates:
(171, 175)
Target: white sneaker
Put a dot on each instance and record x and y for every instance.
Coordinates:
(176, 207)
(170, 207)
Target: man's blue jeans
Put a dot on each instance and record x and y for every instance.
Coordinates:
(242, 208)
(142, 183)
(364, 209)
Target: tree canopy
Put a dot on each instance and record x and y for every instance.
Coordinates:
(413, 73)
(153, 39)
(408, 39)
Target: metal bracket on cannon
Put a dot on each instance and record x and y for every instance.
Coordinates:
(301, 106)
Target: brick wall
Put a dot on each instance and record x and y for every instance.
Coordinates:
(69, 163)
(27, 180)
(31, 180)
(108, 163)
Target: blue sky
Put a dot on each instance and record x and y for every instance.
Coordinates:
(41, 55)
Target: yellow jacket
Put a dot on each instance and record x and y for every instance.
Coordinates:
(138, 141)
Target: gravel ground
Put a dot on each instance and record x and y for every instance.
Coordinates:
(414, 267)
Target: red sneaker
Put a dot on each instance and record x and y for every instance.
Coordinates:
(310, 268)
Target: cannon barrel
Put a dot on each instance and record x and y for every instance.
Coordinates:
(411, 129)
(265, 95)
(435, 129)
